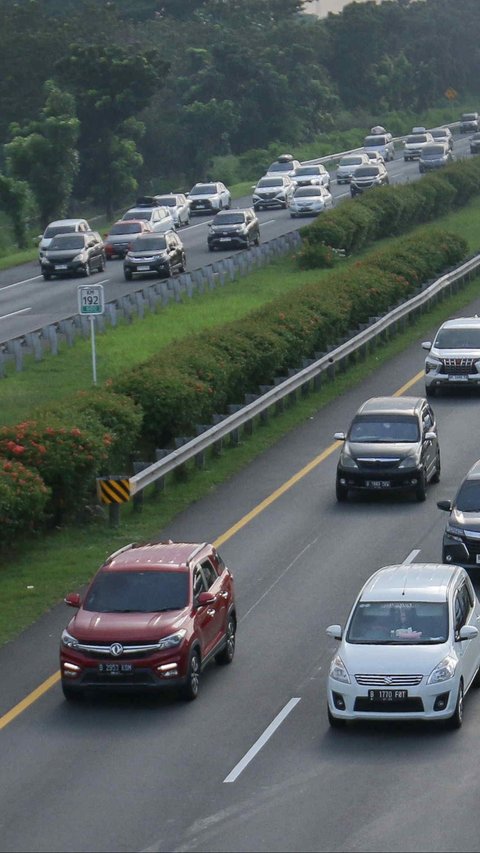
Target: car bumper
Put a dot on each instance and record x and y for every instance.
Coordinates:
(147, 269)
(427, 702)
(116, 251)
(379, 481)
(310, 211)
(80, 673)
(224, 242)
(465, 554)
(443, 380)
(68, 268)
(269, 202)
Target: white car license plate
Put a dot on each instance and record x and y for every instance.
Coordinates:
(61, 267)
(143, 267)
(387, 695)
(458, 378)
(377, 484)
(224, 239)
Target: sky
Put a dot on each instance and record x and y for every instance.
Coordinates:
(323, 7)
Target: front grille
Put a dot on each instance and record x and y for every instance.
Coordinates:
(55, 260)
(201, 204)
(103, 651)
(407, 706)
(378, 464)
(373, 680)
(458, 366)
(266, 195)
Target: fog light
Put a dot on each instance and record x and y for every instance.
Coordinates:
(71, 670)
(441, 702)
(168, 670)
(338, 701)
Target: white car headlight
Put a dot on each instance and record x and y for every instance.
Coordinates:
(347, 461)
(444, 670)
(338, 670)
(172, 640)
(69, 641)
(408, 462)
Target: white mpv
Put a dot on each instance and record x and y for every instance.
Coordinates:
(410, 649)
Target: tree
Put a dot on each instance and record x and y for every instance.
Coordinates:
(16, 202)
(111, 85)
(44, 153)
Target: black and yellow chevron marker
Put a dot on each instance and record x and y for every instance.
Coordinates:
(113, 490)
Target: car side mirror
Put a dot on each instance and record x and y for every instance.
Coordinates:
(430, 435)
(427, 345)
(445, 505)
(334, 631)
(73, 599)
(205, 598)
(339, 436)
(467, 632)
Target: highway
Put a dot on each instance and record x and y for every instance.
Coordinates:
(28, 303)
(252, 764)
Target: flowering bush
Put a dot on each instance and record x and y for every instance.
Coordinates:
(23, 500)
(66, 457)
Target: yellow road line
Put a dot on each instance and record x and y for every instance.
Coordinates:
(55, 678)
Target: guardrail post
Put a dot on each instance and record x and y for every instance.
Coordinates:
(114, 515)
(217, 447)
(14, 347)
(265, 413)
(235, 433)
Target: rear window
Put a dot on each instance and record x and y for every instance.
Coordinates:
(58, 229)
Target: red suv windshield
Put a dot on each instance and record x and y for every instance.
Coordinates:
(138, 592)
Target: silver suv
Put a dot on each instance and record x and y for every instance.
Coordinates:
(453, 358)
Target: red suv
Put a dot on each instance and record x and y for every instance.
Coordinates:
(153, 616)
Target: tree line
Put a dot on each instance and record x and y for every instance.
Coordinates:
(99, 98)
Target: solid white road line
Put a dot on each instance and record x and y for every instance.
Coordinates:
(262, 740)
(267, 222)
(21, 311)
(411, 557)
(25, 281)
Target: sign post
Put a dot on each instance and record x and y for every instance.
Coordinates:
(91, 302)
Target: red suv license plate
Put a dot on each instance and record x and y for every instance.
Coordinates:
(115, 668)
(377, 484)
(387, 695)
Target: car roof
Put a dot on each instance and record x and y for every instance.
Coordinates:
(66, 222)
(411, 582)
(462, 323)
(175, 556)
(390, 405)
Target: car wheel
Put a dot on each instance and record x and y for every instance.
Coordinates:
(430, 391)
(456, 720)
(284, 205)
(335, 722)
(341, 492)
(421, 489)
(103, 263)
(211, 248)
(438, 468)
(47, 276)
(257, 240)
(226, 655)
(476, 680)
(87, 271)
(71, 694)
(293, 215)
(191, 686)
(128, 275)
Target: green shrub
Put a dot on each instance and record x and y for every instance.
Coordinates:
(23, 500)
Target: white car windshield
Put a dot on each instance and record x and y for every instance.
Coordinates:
(270, 182)
(458, 339)
(398, 623)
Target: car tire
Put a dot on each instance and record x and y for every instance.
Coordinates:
(257, 240)
(431, 391)
(190, 689)
(128, 275)
(456, 720)
(335, 722)
(293, 216)
(341, 493)
(476, 680)
(103, 264)
(226, 655)
(87, 271)
(47, 276)
(438, 469)
(421, 489)
(71, 694)
(211, 248)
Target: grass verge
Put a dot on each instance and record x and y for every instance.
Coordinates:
(38, 577)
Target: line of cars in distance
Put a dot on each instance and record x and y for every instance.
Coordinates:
(410, 649)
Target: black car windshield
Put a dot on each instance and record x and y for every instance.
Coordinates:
(367, 172)
(398, 623)
(307, 170)
(387, 429)
(137, 592)
(308, 192)
(52, 230)
(376, 141)
(67, 241)
(433, 151)
(441, 133)
(468, 498)
(270, 182)
(148, 244)
(458, 339)
(125, 228)
(204, 189)
(138, 214)
(229, 219)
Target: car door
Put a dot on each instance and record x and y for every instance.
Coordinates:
(174, 253)
(207, 616)
(429, 446)
(465, 613)
(214, 586)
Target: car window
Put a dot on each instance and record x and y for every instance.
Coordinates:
(458, 338)
(398, 623)
(427, 419)
(462, 607)
(387, 429)
(468, 497)
(137, 591)
(209, 573)
(199, 583)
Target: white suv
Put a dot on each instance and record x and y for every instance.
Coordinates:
(410, 649)
(415, 143)
(453, 358)
(60, 226)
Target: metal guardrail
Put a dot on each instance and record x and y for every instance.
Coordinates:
(233, 423)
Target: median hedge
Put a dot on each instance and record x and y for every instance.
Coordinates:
(48, 465)
(388, 211)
